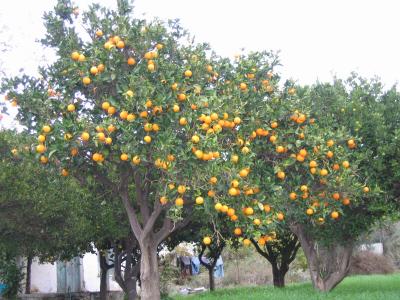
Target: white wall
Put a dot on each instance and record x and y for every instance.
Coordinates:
(376, 248)
(91, 272)
(43, 277)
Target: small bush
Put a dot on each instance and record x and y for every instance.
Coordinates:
(366, 262)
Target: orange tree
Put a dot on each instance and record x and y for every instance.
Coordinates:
(148, 117)
(309, 181)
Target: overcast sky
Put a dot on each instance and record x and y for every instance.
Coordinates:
(317, 38)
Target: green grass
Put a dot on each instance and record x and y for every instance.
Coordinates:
(372, 287)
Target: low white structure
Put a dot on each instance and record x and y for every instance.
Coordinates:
(376, 248)
(79, 274)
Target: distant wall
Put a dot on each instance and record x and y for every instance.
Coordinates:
(43, 277)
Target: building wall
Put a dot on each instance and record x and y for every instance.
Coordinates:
(43, 277)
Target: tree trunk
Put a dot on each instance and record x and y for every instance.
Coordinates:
(328, 264)
(211, 279)
(278, 275)
(103, 276)
(28, 275)
(149, 273)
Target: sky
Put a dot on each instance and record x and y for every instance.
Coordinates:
(317, 39)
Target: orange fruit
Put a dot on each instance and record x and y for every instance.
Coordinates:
(267, 208)
(86, 80)
(182, 121)
(280, 216)
(243, 173)
(123, 115)
(230, 212)
(237, 231)
(304, 188)
(281, 175)
(207, 240)
(181, 189)
(309, 211)
(85, 136)
(366, 189)
(108, 141)
(303, 152)
(330, 143)
(346, 201)
(41, 148)
(249, 211)
(101, 68)
(334, 215)
(120, 44)
(147, 139)
(280, 149)
(71, 108)
(75, 55)
(163, 200)
(195, 139)
(74, 152)
(345, 164)
(94, 70)
(179, 201)
(130, 117)
(46, 128)
(234, 158)
(213, 180)
(257, 222)
(105, 105)
(136, 160)
(41, 138)
(336, 196)
(246, 242)
(199, 200)
(292, 196)
(111, 110)
(188, 73)
(323, 172)
(131, 61)
(243, 86)
(124, 157)
(64, 172)
(272, 138)
(336, 167)
(181, 97)
(274, 124)
(111, 128)
(329, 154)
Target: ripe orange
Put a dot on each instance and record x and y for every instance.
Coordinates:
(85, 136)
(323, 172)
(75, 55)
(243, 173)
(237, 120)
(257, 222)
(195, 139)
(230, 212)
(313, 170)
(336, 167)
(213, 180)
(101, 136)
(281, 175)
(101, 68)
(336, 196)
(299, 158)
(237, 231)
(44, 159)
(105, 105)
(136, 160)
(233, 191)
(123, 114)
(74, 152)
(41, 138)
(211, 193)
(274, 124)
(309, 211)
(246, 242)
(199, 200)
(249, 211)
(234, 158)
(267, 208)
(120, 44)
(280, 216)
(304, 188)
(179, 201)
(345, 164)
(108, 141)
(64, 172)
(243, 86)
(94, 70)
(366, 189)
(181, 189)
(124, 157)
(218, 206)
(329, 154)
(99, 33)
(111, 110)
(163, 200)
(346, 201)
(330, 143)
(272, 138)
(303, 152)
(182, 121)
(292, 196)
(130, 117)
(206, 240)
(111, 128)
(245, 150)
(41, 148)
(46, 128)
(334, 215)
(280, 149)
(181, 97)
(147, 139)
(86, 80)
(151, 67)
(188, 73)
(131, 61)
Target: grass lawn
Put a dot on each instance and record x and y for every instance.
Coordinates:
(376, 287)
